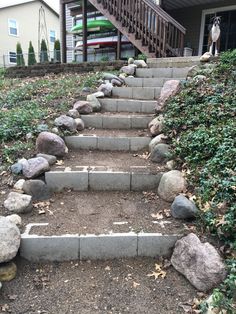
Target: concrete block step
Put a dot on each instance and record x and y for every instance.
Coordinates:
(110, 143)
(116, 121)
(95, 179)
(146, 82)
(177, 62)
(162, 72)
(146, 93)
(127, 105)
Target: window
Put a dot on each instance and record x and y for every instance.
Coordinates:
(52, 37)
(12, 26)
(12, 57)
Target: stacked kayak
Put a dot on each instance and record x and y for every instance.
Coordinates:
(95, 26)
(101, 42)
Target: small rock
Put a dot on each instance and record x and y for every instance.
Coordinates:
(73, 113)
(206, 57)
(19, 184)
(160, 153)
(94, 103)
(14, 218)
(10, 240)
(172, 183)
(110, 77)
(157, 140)
(55, 130)
(106, 88)
(199, 78)
(79, 124)
(199, 262)
(131, 61)
(42, 128)
(169, 89)
(65, 123)
(37, 189)
(83, 107)
(86, 89)
(116, 82)
(183, 208)
(170, 164)
(128, 69)
(156, 125)
(33, 167)
(98, 94)
(50, 158)
(16, 168)
(7, 271)
(0, 285)
(29, 136)
(51, 144)
(123, 76)
(18, 203)
(140, 63)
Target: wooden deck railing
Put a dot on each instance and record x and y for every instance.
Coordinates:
(150, 25)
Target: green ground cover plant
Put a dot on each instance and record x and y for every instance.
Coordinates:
(200, 120)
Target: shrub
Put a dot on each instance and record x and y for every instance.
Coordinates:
(31, 54)
(43, 51)
(57, 51)
(19, 55)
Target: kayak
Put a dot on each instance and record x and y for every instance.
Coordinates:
(102, 42)
(93, 26)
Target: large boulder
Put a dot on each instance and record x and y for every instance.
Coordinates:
(206, 57)
(157, 140)
(140, 63)
(199, 262)
(94, 103)
(160, 153)
(7, 271)
(110, 77)
(9, 240)
(172, 183)
(183, 208)
(128, 69)
(18, 203)
(83, 107)
(65, 123)
(116, 82)
(106, 88)
(37, 189)
(52, 144)
(50, 158)
(79, 124)
(156, 125)
(73, 113)
(169, 89)
(33, 167)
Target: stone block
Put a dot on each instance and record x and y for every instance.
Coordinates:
(134, 81)
(153, 82)
(109, 181)
(108, 104)
(143, 93)
(144, 73)
(142, 181)
(94, 121)
(128, 105)
(140, 122)
(148, 106)
(180, 72)
(117, 122)
(122, 92)
(138, 143)
(113, 143)
(82, 141)
(162, 72)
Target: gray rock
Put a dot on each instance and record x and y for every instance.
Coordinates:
(169, 89)
(50, 158)
(160, 153)
(170, 164)
(10, 240)
(140, 63)
(131, 61)
(37, 189)
(29, 136)
(19, 184)
(94, 103)
(156, 125)
(157, 140)
(199, 262)
(206, 57)
(172, 183)
(83, 107)
(51, 144)
(116, 82)
(79, 124)
(128, 69)
(106, 89)
(183, 208)
(55, 130)
(18, 203)
(33, 167)
(98, 94)
(42, 128)
(65, 123)
(73, 113)
(14, 218)
(110, 77)
(16, 168)
(86, 89)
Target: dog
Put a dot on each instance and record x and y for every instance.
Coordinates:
(214, 36)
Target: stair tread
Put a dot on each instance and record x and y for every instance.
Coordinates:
(114, 133)
(118, 114)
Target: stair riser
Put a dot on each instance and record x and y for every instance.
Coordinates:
(127, 105)
(146, 82)
(171, 73)
(117, 122)
(179, 62)
(128, 144)
(146, 93)
(92, 180)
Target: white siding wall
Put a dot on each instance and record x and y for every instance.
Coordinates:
(69, 38)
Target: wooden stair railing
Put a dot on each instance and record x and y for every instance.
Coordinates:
(147, 26)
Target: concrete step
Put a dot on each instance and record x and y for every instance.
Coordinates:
(127, 105)
(117, 121)
(169, 73)
(145, 93)
(110, 143)
(177, 62)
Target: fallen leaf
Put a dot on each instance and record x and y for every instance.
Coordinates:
(41, 212)
(157, 216)
(158, 273)
(60, 162)
(135, 284)
(108, 268)
(167, 212)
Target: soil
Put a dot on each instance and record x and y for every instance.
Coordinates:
(108, 159)
(102, 212)
(115, 132)
(121, 113)
(98, 287)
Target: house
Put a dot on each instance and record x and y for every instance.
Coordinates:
(23, 21)
(158, 28)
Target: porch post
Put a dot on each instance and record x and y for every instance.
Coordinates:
(63, 31)
(85, 30)
(118, 52)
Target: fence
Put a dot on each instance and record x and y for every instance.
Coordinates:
(13, 59)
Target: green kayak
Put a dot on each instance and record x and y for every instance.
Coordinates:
(93, 26)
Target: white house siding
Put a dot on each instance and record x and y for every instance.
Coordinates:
(69, 38)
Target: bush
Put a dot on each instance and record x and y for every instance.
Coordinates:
(43, 52)
(57, 51)
(19, 55)
(31, 54)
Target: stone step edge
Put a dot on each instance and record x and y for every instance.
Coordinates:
(69, 247)
(103, 121)
(96, 142)
(87, 179)
(128, 105)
